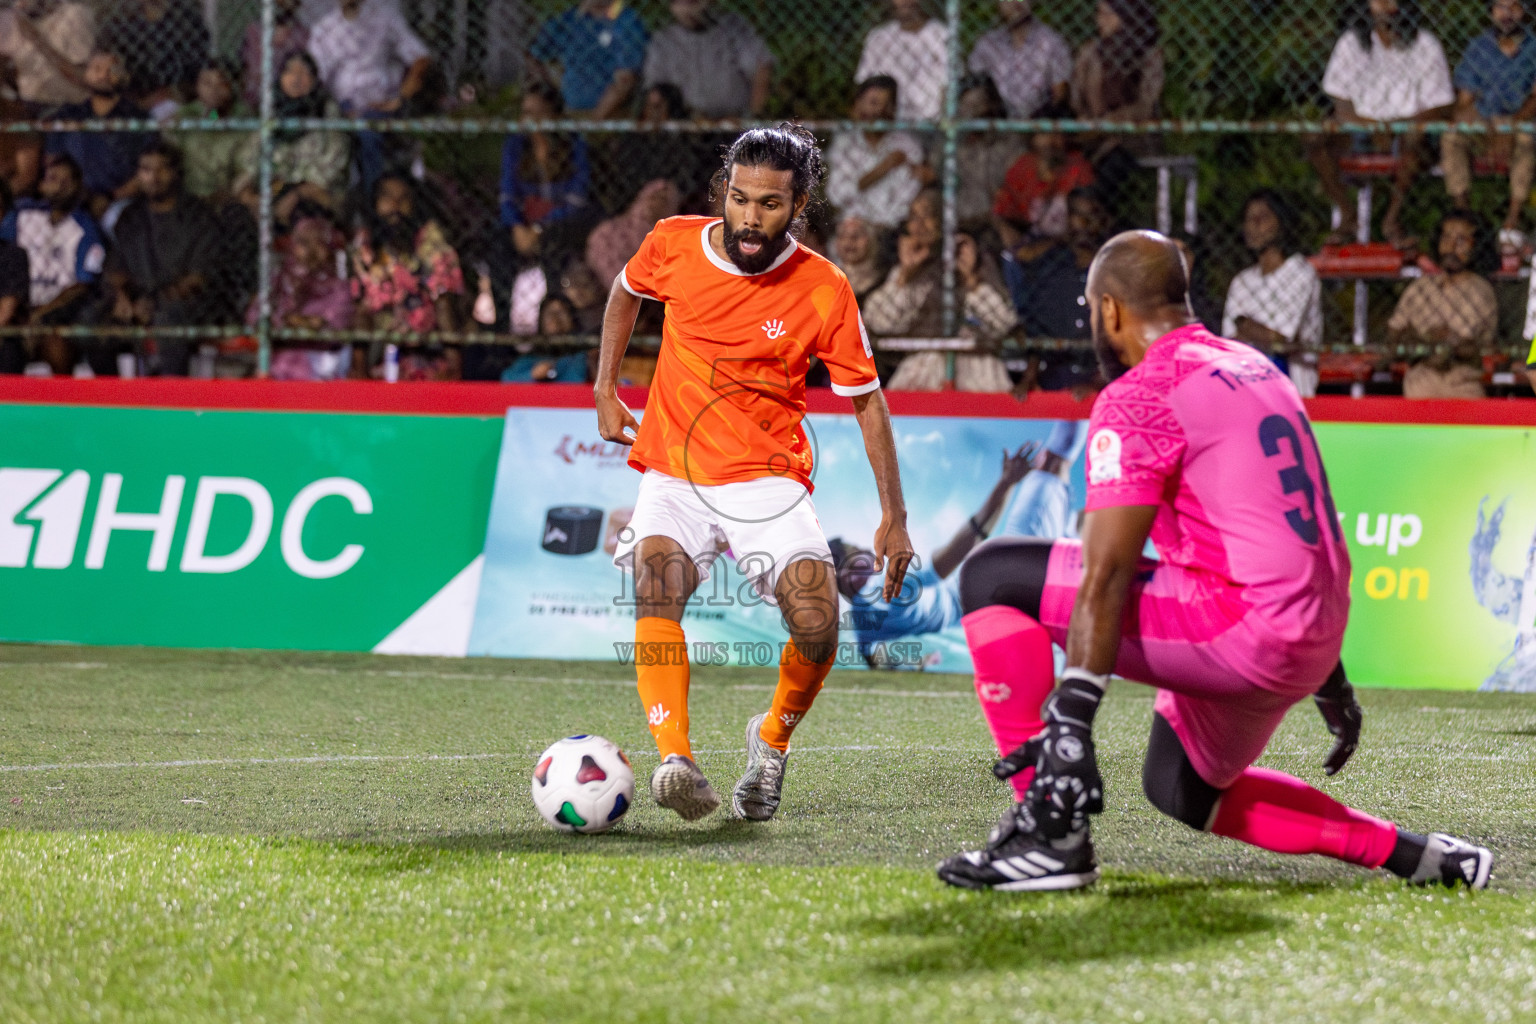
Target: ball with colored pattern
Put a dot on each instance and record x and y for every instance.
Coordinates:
(583, 784)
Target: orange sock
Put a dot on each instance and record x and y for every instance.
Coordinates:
(800, 681)
(661, 665)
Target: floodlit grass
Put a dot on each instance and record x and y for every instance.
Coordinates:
(251, 837)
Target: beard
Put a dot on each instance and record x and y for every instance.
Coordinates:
(1110, 364)
(1452, 264)
(754, 262)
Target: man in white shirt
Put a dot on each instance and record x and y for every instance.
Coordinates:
(1030, 61)
(717, 59)
(49, 42)
(1384, 68)
(1276, 304)
(913, 49)
(875, 175)
(369, 58)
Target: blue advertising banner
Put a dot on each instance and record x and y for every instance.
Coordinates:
(549, 587)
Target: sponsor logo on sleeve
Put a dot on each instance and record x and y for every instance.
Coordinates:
(1104, 457)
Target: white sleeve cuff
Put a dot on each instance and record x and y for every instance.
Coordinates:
(624, 280)
(855, 390)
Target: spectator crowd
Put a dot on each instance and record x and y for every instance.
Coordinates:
(158, 230)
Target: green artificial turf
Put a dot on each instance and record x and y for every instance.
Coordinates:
(262, 837)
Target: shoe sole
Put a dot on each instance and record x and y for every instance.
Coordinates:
(1049, 883)
(751, 810)
(677, 791)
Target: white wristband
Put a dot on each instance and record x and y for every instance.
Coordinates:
(1084, 676)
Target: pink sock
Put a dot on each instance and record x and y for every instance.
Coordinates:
(1011, 654)
(1279, 812)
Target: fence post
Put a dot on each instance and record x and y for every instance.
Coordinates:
(264, 212)
(950, 173)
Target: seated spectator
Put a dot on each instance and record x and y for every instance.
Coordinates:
(65, 252)
(546, 179)
(720, 63)
(157, 272)
(600, 47)
(289, 36)
(309, 168)
(1276, 304)
(910, 301)
(308, 295)
(1384, 68)
(14, 287)
(982, 159)
(875, 175)
(913, 49)
(856, 251)
(405, 278)
(372, 63)
(556, 319)
(1047, 290)
(21, 153)
(109, 160)
(985, 317)
(1030, 61)
(1454, 311)
(579, 283)
(1495, 85)
(368, 57)
(49, 43)
(615, 240)
(214, 159)
(1030, 208)
(163, 44)
(1118, 76)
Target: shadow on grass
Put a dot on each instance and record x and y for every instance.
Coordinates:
(724, 832)
(1130, 917)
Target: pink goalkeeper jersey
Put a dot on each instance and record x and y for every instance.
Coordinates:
(1208, 430)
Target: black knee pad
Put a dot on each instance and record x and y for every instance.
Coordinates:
(1005, 570)
(1170, 781)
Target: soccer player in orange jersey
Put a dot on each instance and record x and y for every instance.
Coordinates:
(726, 461)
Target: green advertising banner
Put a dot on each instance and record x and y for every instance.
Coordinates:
(316, 531)
(1441, 525)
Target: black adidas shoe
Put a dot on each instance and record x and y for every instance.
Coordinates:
(1017, 860)
(1450, 862)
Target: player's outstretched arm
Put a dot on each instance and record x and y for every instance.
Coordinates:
(614, 420)
(1016, 467)
(893, 548)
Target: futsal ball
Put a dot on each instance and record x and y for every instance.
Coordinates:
(583, 784)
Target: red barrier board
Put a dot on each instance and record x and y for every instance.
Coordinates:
(490, 399)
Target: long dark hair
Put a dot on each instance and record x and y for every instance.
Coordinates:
(562, 164)
(1123, 52)
(1285, 213)
(1405, 24)
(311, 104)
(789, 147)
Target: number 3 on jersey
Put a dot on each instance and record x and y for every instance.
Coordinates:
(1294, 478)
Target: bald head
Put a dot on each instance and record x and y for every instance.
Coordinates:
(1138, 290)
(1142, 270)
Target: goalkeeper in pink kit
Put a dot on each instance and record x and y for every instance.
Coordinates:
(1202, 445)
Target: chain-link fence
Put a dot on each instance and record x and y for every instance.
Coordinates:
(446, 188)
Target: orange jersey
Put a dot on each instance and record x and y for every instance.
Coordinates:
(728, 396)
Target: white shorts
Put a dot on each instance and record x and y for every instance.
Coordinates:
(765, 523)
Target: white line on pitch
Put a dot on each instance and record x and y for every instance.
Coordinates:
(321, 759)
(225, 762)
(831, 691)
(233, 762)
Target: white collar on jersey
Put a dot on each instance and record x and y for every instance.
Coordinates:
(731, 268)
